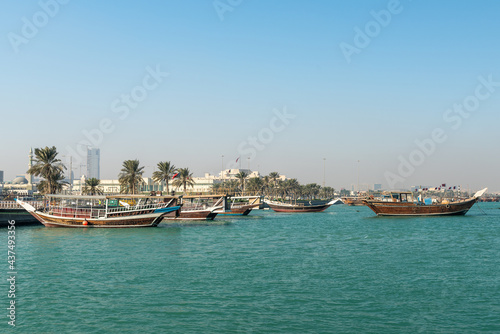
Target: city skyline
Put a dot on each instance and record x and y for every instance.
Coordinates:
(408, 89)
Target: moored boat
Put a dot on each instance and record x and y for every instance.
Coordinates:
(198, 208)
(12, 211)
(240, 206)
(402, 203)
(354, 201)
(102, 211)
(298, 207)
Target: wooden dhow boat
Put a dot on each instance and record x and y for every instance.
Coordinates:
(354, 201)
(240, 206)
(298, 207)
(402, 203)
(103, 211)
(198, 208)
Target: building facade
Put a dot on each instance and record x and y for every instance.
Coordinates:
(201, 185)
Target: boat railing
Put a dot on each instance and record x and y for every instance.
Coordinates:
(78, 212)
(189, 207)
(15, 205)
(136, 207)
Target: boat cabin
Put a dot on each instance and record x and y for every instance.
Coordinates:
(399, 196)
(77, 206)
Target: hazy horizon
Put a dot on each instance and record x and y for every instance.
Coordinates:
(409, 89)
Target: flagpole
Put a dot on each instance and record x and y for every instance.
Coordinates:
(324, 171)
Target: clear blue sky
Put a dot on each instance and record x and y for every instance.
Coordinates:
(226, 78)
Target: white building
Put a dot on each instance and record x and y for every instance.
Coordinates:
(93, 163)
(201, 184)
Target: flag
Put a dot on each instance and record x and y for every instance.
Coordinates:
(237, 159)
(454, 187)
(443, 185)
(175, 175)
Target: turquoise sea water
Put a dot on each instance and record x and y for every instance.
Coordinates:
(340, 271)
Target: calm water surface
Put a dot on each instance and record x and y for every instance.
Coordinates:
(340, 271)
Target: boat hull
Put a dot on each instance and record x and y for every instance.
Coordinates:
(141, 220)
(298, 209)
(240, 210)
(411, 209)
(192, 215)
(20, 216)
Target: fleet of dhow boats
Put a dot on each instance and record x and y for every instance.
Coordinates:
(148, 211)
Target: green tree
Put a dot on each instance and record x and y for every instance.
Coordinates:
(274, 181)
(255, 185)
(130, 177)
(164, 173)
(327, 192)
(184, 179)
(52, 184)
(312, 190)
(92, 187)
(49, 168)
(265, 185)
(231, 186)
(289, 188)
(242, 176)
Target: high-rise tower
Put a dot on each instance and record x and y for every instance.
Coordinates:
(93, 161)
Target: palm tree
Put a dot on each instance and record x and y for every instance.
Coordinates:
(231, 186)
(265, 185)
(242, 176)
(327, 192)
(164, 173)
(52, 184)
(50, 168)
(312, 190)
(92, 187)
(217, 187)
(290, 188)
(254, 185)
(131, 176)
(274, 178)
(185, 178)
